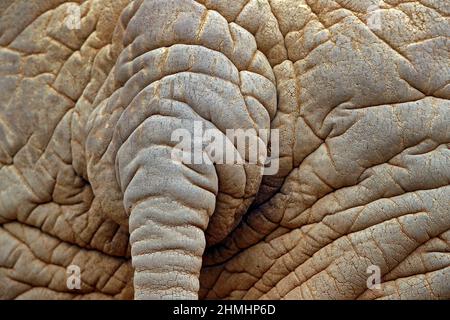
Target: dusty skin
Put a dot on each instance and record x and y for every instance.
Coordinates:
(86, 179)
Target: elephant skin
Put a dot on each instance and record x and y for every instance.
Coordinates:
(358, 90)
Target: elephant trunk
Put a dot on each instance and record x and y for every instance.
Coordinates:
(170, 204)
(169, 260)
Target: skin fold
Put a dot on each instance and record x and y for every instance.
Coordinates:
(87, 180)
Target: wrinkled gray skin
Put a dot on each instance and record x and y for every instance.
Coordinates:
(86, 178)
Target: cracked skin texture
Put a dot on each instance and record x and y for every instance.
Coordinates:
(85, 121)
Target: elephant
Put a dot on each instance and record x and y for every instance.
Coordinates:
(93, 205)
